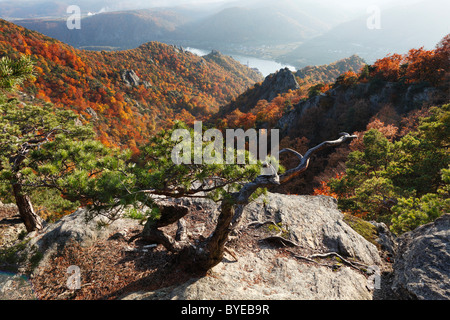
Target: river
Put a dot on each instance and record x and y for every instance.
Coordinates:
(266, 67)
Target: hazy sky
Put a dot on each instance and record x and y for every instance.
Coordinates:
(350, 8)
(134, 4)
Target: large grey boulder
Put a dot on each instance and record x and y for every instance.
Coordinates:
(263, 273)
(79, 227)
(314, 222)
(263, 270)
(422, 263)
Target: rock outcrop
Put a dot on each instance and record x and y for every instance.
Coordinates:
(76, 227)
(11, 226)
(92, 113)
(266, 276)
(130, 78)
(422, 263)
(274, 84)
(315, 225)
(257, 268)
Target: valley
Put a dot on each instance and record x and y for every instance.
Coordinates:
(265, 66)
(299, 33)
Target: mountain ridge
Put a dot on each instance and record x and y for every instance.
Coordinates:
(401, 28)
(284, 81)
(238, 24)
(180, 86)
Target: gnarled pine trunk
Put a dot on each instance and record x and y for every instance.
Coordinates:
(211, 253)
(214, 249)
(32, 221)
(208, 253)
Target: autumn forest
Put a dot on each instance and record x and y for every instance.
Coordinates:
(174, 85)
(131, 95)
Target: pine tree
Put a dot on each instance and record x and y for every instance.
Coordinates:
(44, 147)
(404, 183)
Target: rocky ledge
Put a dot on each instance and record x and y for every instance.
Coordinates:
(271, 268)
(422, 262)
(286, 247)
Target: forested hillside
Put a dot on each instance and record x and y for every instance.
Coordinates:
(397, 170)
(310, 108)
(166, 83)
(264, 103)
(329, 73)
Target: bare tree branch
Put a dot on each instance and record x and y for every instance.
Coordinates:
(333, 254)
(264, 181)
(304, 162)
(298, 155)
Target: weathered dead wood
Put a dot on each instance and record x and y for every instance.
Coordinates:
(332, 254)
(231, 252)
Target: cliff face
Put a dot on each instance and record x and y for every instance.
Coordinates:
(277, 83)
(329, 73)
(274, 84)
(350, 108)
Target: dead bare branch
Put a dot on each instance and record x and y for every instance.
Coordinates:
(304, 162)
(332, 254)
(282, 240)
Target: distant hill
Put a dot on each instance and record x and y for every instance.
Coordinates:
(260, 22)
(245, 25)
(285, 81)
(329, 72)
(101, 31)
(27, 9)
(402, 28)
(129, 94)
(228, 63)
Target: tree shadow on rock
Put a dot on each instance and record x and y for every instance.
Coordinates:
(160, 269)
